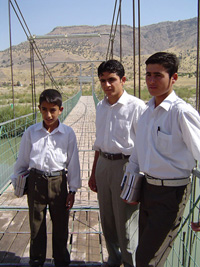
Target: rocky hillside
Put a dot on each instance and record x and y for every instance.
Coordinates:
(179, 37)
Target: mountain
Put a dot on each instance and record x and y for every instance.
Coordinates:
(179, 37)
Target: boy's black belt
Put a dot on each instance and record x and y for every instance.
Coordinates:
(113, 156)
(48, 174)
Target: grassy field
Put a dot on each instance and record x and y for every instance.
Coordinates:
(185, 87)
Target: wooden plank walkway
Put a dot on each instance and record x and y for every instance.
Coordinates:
(86, 242)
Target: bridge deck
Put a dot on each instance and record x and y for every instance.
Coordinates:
(86, 242)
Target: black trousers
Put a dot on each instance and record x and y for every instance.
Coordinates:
(161, 211)
(51, 191)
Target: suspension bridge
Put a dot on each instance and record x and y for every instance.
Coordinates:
(86, 241)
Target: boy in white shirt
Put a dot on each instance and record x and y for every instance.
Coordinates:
(116, 121)
(49, 148)
(166, 147)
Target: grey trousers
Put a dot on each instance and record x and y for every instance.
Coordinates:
(51, 191)
(161, 211)
(119, 220)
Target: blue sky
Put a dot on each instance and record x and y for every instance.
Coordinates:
(42, 16)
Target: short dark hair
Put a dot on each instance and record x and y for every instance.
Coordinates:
(51, 96)
(112, 66)
(168, 60)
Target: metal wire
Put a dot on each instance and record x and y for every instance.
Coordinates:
(113, 33)
(134, 55)
(11, 59)
(198, 59)
(30, 38)
(139, 52)
(110, 38)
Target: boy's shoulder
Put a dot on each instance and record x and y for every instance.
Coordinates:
(133, 103)
(65, 128)
(101, 104)
(126, 99)
(182, 105)
(34, 127)
(182, 108)
(135, 100)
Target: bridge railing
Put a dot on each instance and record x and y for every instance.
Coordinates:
(10, 137)
(185, 251)
(95, 98)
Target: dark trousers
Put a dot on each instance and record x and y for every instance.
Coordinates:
(161, 211)
(51, 191)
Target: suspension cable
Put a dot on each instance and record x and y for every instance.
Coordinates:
(112, 35)
(198, 67)
(30, 38)
(134, 71)
(11, 59)
(139, 51)
(120, 35)
(117, 20)
(110, 38)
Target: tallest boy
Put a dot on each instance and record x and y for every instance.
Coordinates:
(116, 118)
(166, 147)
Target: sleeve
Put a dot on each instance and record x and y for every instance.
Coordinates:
(133, 166)
(73, 165)
(141, 107)
(23, 158)
(190, 127)
(95, 146)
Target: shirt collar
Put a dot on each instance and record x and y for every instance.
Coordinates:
(122, 100)
(60, 128)
(166, 103)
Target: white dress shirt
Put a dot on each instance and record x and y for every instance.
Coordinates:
(167, 140)
(116, 124)
(46, 151)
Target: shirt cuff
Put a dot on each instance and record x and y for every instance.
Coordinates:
(132, 168)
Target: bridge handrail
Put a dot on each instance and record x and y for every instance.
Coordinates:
(184, 251)
(95, 98)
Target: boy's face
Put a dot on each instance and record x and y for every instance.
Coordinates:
(50, 113)
(112, 86)
(158, 82)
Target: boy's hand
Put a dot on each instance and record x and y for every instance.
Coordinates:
(70, 201)
(92, 183)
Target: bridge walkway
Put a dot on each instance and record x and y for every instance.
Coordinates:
(86, 242)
